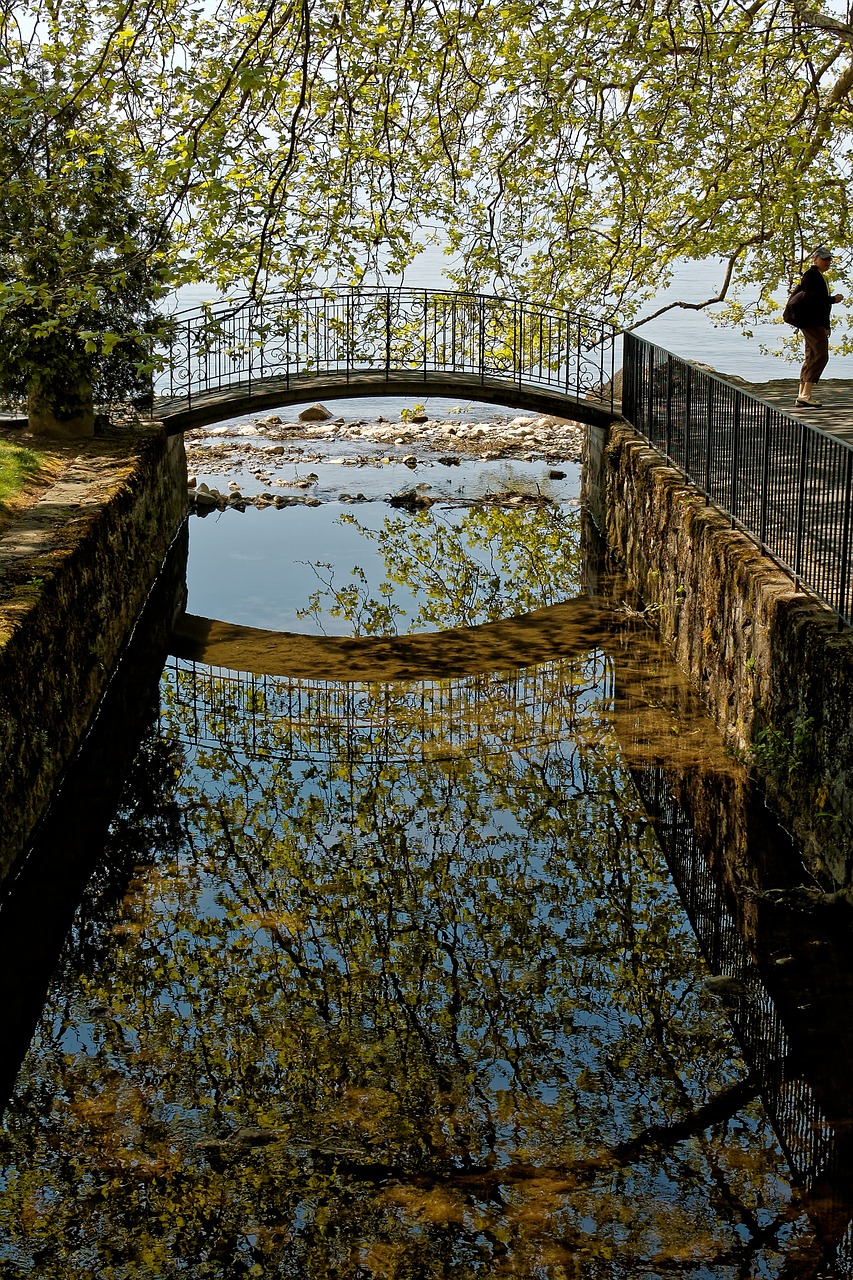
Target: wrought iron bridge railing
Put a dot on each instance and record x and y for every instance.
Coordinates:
(347, 333)
(785, 482)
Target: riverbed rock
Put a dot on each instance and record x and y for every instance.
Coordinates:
(315, 413)
(410, 500)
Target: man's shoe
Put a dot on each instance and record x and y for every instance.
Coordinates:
(803, 403)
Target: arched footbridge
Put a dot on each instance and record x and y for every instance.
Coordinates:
(784, 478)
(245, 355)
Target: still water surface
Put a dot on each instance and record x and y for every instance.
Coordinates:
(392, 979)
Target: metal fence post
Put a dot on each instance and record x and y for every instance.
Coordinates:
(765, 479)
(348, 332)
(568, 355)
(844, 584)
(688, 412)
(627, 379)
(733, 488)
(519, 353)
(387, 334)
(630, 377)
(709, 438)
(578, 359)
(801, 494)
(612, 366)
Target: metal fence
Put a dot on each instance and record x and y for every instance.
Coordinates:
(785, 482)
(385, 331)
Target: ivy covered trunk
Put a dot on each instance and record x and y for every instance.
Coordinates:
(63, 409)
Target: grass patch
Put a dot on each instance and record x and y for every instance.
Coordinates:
(24, 474)
(17, 466)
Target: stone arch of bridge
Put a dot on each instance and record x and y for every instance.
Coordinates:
(276, 393)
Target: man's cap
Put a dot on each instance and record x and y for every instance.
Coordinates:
(822, 252)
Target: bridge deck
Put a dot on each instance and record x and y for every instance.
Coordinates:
(836, 395)
(270, 393)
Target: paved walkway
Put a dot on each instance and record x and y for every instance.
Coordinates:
(835, 394)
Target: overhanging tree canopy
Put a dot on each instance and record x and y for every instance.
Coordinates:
(573, 152)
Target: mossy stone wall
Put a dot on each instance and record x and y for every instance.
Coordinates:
(770, 662)
(75, 575)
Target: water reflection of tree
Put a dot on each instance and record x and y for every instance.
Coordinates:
(463, 567)
(398, 1013)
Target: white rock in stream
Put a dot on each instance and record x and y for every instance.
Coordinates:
(315, 413)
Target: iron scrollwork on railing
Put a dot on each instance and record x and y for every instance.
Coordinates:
(786, 483)
(343, 332)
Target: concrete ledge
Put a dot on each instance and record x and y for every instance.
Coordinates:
(74, 575)
(770, 662)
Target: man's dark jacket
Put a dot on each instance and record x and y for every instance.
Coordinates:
(812, 310)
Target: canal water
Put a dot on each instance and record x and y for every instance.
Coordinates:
(496, 975)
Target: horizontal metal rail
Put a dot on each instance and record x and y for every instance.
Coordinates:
(784, 482)
(345, 332)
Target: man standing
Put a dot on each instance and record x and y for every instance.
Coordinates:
(812, 318)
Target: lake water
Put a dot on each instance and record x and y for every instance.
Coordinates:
(387, 978)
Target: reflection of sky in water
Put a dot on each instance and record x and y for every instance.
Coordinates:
(261, 568)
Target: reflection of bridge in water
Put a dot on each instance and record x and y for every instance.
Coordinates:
(288, 718)
(347, 726)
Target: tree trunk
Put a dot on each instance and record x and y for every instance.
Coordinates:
(65, 412)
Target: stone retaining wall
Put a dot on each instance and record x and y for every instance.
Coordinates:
(770, 662)
(74, 576)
